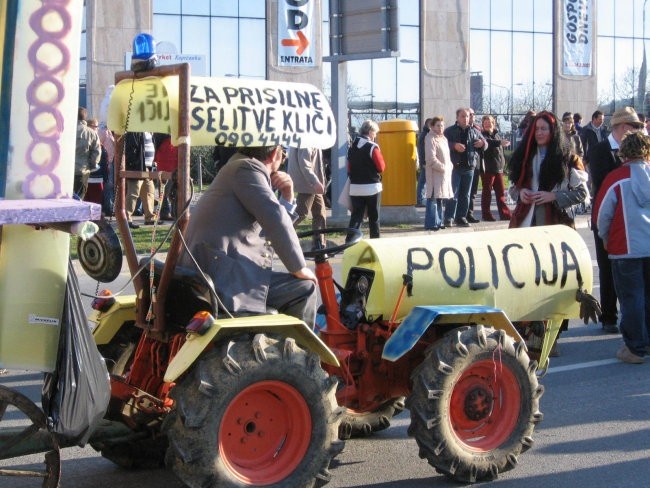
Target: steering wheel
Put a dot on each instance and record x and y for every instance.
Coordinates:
(354, 234)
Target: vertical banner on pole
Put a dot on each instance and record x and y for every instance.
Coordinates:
(296, 33)
(577, 37)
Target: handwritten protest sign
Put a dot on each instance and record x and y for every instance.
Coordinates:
(226, 111)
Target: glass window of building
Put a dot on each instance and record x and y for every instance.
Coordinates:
(622, 71)
(230, 33)
(511, 60)
(383, 88)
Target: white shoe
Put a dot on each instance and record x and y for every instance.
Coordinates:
(627, 356)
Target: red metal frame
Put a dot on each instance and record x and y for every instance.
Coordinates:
(183, 192)
(368, 380)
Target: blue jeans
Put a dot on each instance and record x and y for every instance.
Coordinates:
(433, 214)
(461, 182)
(419, 192)
(632, 283)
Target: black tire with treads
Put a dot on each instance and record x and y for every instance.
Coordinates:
(474, 404)
(240, 417)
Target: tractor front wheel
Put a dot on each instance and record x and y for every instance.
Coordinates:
(260, 413)
(474, 404)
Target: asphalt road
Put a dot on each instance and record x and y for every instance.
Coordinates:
(595, 433)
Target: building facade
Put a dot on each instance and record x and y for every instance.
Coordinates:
(501, 56)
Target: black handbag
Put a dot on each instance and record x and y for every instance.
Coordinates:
(567, 216)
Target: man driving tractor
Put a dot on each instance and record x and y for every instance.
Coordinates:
(237, 226)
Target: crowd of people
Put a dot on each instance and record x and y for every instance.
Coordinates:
(94, 179)
(555, 168)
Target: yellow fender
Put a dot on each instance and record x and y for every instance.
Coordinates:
(111, 321)
(280, 324)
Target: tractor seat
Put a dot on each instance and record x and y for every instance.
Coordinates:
(189, 293)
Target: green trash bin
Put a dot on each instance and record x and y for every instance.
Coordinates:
(397, 140)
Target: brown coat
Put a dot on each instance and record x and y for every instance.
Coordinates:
(438, 166)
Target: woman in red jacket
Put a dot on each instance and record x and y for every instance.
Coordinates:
(365, 166)
(166, 159)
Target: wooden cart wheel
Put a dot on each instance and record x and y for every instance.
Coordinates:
(28, 438)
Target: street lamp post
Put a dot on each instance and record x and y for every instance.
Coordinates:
(509, 105)
(509, 99)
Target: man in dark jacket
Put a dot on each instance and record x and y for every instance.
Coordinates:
(477, 173)
(593, 133)
(465, 146)
(603, 159)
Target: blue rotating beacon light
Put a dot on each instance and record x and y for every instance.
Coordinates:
(144, 53)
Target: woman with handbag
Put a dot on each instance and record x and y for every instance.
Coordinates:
(547, 181)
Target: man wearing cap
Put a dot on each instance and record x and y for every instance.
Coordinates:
(603, 158)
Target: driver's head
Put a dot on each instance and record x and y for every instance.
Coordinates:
(271, 156)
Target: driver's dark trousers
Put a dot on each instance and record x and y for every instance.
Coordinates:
(293, 296)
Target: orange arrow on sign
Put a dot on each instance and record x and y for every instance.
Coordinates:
(302, 42)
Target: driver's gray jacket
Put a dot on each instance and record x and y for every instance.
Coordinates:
(235, 228)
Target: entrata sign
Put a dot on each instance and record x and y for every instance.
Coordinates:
(296, 33)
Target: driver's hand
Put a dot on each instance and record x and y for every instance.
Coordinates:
(306, 274)
(282, 182)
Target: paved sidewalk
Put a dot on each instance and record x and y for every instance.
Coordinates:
(416, 227)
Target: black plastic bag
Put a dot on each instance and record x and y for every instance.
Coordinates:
(75, 396)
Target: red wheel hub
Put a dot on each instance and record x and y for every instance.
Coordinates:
(485, 405)
(265, 432)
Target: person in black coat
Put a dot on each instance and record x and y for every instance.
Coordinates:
(465, 146)
(494, 163)
(603, 159)
(593, 133)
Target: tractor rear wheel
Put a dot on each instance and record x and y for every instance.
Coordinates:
(363, 424)
(474, 404)
(254, 413)
(118, 353)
